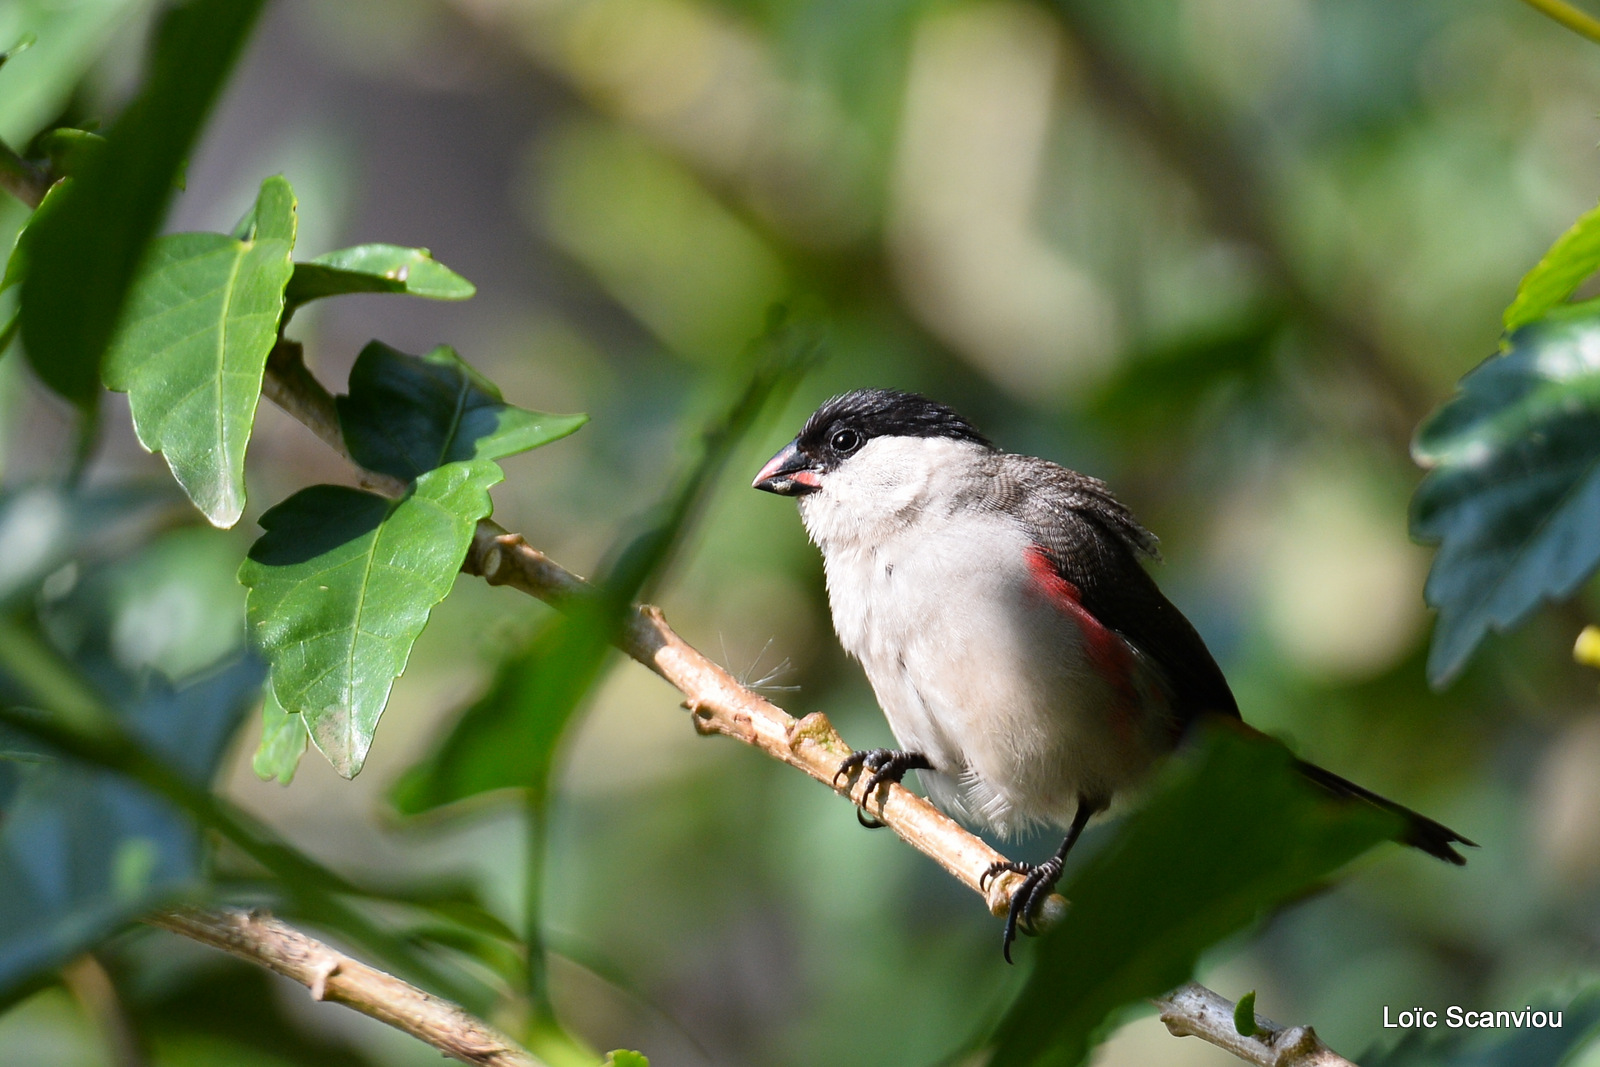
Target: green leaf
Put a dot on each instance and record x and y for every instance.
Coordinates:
(1229, 831)
(83, 851)
(283, 742)
(376, 268)
(1525, 1047)
(624, 1058)
(409, 414)
(341, 583)
(17, 262)
(89, 251)
(1574, 256)
(507, 739)
(1244, 1015)
(1513, 494)
(71, 151)
(200, 322)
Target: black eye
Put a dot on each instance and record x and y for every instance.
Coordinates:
(845, 441)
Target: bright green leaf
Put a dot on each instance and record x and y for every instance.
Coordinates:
(409, 414)
(1513, 494)
(1574, 256)
(1244, 1015)
(376, 268)
(624, 1058)
(341, 583)
(1229, 831)
(283, 742)
(89, 251)
(201, 319)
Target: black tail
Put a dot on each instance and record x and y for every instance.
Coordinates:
(1420, 832)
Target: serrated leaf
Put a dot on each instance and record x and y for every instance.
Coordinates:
(90, 251)
(1513, 494)
(283, 742)
(1574, 256)
(200, 322)
(376, 268)
(1229, 831)
(409, 414)
(342, 582)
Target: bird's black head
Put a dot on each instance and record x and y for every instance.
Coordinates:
(839, 429)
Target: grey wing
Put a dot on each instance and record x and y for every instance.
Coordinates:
(1095, 543)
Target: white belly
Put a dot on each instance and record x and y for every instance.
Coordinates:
(977, 669)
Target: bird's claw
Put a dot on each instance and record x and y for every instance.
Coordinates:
(886, 765)
(1037, 883)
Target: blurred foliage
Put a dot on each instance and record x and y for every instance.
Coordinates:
(1225, 253)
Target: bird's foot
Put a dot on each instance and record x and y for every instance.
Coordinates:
(1037, 882)
(886, 765)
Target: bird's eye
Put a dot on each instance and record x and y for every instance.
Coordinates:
(846, 441)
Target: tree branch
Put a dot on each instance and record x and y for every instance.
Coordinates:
(1194, 1011)
(330, 975)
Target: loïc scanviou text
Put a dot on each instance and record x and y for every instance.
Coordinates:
(1456, 1017)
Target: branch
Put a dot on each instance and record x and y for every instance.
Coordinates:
(1194, 1011)
(1577, 21)
(22, 179)
(330, 975)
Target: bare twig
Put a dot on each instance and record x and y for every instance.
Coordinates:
(330, 975)
(20, 178)
(1194, 1011)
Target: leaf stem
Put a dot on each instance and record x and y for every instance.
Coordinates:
(22, 179)
(1579, 22)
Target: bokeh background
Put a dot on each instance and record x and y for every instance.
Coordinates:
(1222, 253)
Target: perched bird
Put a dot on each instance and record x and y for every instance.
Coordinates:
(1027, 663)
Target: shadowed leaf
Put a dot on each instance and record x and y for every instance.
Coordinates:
(201, 319)
(88, 252)
(409, 414)
(283, 742)
(1512, 497)
(342, 582)
(1229, 831)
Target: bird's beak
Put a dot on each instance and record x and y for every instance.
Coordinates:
(789, 473)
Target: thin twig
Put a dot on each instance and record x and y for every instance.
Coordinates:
(1194, 1011)
(331, 975)
(22, 179)
(1578, 22)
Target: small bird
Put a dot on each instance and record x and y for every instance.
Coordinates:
(1028, 665)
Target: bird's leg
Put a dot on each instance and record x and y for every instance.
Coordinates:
(1038, 880)
(887, 765)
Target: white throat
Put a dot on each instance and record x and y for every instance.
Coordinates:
(888, 487)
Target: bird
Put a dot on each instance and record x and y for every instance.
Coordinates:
(1028, 665)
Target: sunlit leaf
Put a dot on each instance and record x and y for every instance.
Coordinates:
(341, 583)
(283, 742)
(83, 851)
(201, 319)
(1229, 831)
(89, 251)
(376, 268)
(409, 414)
(625, 1058)
(1574, 256)
(1513, 493)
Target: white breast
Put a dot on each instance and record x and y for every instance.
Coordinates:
(973, 665)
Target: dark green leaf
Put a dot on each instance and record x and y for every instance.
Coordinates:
(1526, 1047)
(1574, 256)
(70, 150)
(508, 738)
(283, 742)
(1244, 1015)
(1229, 831)
(376, 269)
(88, 252)
(341, 583)
(17, 262)
(409, 414)
(1513, 496)
(193, 344)
(83, 851)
